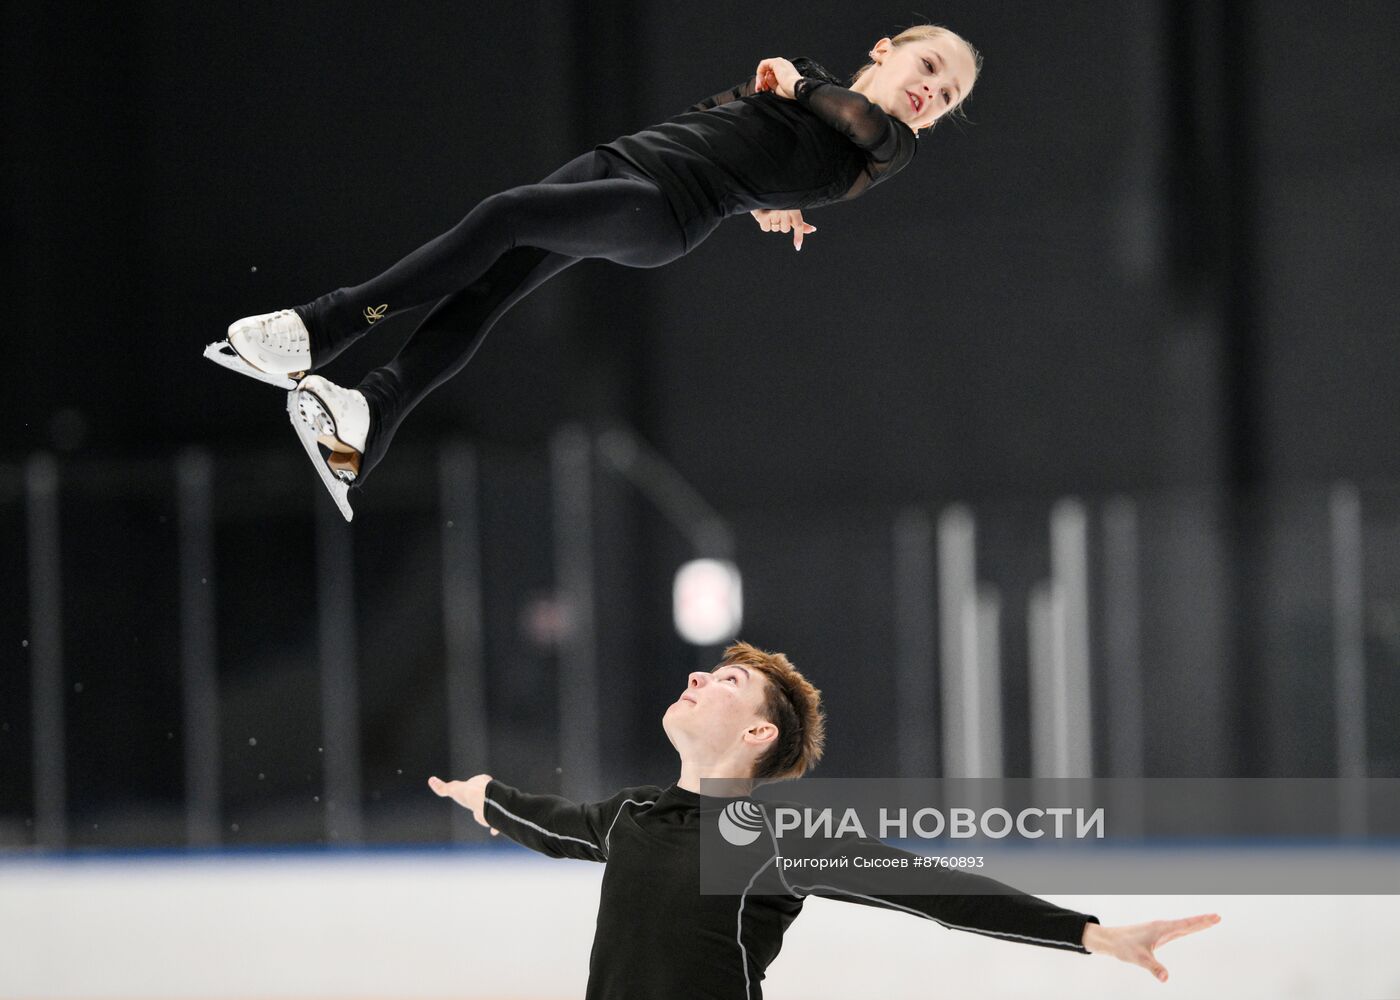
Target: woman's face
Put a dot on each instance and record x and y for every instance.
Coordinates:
(920, 81)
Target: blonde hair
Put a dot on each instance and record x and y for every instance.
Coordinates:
(924, 33)
(793, 705)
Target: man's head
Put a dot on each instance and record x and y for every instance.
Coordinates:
(752, 713)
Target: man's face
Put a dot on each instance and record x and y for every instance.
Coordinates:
(717, 710)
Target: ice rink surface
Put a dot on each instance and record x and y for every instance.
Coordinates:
(501, 925)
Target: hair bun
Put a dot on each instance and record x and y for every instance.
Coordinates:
(814, 70)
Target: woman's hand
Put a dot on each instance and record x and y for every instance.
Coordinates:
(777, 75)
(1135, 944)
(779, 220)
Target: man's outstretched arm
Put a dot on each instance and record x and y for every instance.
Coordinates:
(955, 898)
(546, 823)
(1137, 943)
(961, 900)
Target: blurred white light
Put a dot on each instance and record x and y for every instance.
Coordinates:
(707, 601)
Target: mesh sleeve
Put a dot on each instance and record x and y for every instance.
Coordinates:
(864, 123)
(887, 144)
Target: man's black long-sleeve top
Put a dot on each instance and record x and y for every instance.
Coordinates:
(658, 936)
(739, 150)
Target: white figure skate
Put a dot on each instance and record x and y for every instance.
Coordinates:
(326, 416)
(273, 348)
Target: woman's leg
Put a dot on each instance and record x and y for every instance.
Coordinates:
(592, 207)
(446, 340)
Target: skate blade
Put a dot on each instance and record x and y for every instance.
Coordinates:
(222, 353)
(311, 421)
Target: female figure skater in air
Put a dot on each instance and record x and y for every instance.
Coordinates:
(788, 139)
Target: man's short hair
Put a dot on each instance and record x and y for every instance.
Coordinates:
(793, 705)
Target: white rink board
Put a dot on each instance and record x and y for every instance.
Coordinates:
(498, 925)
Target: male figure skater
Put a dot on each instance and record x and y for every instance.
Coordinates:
(753, 718)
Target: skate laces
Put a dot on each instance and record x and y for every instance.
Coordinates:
(283, 331)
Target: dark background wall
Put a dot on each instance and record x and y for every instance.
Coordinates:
(1156, 260)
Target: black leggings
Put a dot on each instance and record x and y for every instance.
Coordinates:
(596, 205)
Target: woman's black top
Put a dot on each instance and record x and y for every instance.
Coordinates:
(740, 150)
(659, 937)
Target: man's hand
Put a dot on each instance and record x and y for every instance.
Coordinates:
(470, 793)
(778, 220)
(1136, 943)
(777, 75)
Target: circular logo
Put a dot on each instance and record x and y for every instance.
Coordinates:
(740, 823)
